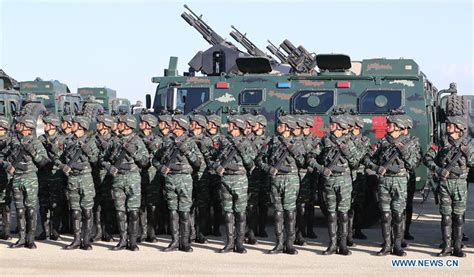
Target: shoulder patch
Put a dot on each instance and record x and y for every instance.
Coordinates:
(434, 147)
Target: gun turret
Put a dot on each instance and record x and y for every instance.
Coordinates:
(251, 48)
(205, 30)
(277, 52)
(299, 58)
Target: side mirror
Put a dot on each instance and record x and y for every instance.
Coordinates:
(148, 101)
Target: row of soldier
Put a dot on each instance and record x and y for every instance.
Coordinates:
(128, 174)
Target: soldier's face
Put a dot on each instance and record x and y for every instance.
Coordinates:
(3, 132)
(281, 128)
(256, 127)
(66, 126)
(453, 130)
(230, 126)
(248, 130)
(142, 125)
(197, 130)
(192, 125)
(18, 127)
(393, 130)
(100, 126)
(336, 130)
(211, 128)
(121, 126)
(307, 131)
(356, 131)
(390, 127)
(296, 132)
(75, 126)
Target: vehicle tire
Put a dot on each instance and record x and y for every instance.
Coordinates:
(456, 104)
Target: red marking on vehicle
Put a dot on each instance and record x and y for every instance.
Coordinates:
(379, 126)
(434, 147)
(222, 85)
(317, 129)
(343, 84)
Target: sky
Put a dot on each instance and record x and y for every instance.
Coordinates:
(123, 44)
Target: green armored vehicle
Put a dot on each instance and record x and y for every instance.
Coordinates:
(106, 97)
(10, 99)
(53, 95)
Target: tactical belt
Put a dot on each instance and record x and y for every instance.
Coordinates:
(403, 172)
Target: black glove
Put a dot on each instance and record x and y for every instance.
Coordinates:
(164, 170)
(381, 170)
(272, 171)
(66, 169)
(220, 170)
(113, 170)
(29, 148)
(443, 173)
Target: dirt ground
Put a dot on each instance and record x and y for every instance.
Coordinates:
(51, 260)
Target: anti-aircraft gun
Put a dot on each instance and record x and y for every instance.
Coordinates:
(221, 57)
(277, 52)
(300, 60)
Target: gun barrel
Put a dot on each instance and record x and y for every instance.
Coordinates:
(275, 51)
(205, 30)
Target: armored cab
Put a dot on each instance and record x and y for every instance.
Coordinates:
(10, 99)
(98, 96)
(52, 96)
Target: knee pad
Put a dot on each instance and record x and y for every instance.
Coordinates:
(87, 213)
(76, 214)
(343, 217)
(446, 220)
(184, 215)
(458, 219)
(332, 217)
(386, 217)
(397, 217)
(133, 215)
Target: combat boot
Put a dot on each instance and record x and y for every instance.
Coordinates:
(20, 216)
(122, 228)
(143, 222)
(332, 230)
(458, 234)
(217, 220)
(350, 224)
(98, 225)
(240, 231)
(309, 222)
(31, 218)
(44, 223)
(192, 225)
(262, 220)
(174, 229)
(55, 219)
(76, 229)
(151, 213)
(252, 226)
(6, 222)
(358, 222)
(290, 222)
(398, 235)
(386, 234)
(133, 218)
(185, 232)
(230, 235)
(343, 231)
(278, 233)
(203, 217)
(301, 225)
(446, 228)
(87, 224)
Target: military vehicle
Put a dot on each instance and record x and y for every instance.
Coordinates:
(10, 99)
(106, 97)
(54, 95)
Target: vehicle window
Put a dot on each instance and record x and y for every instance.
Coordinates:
(13, 107)
(188, 99)
(380, 101)
(313, 101)
(2, 108)
(67, 108)
(251, 96)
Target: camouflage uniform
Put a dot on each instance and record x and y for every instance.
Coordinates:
(5, 182)
(76, 163)
(392, 160)
(214, 183)
(259, 191)
(176, 162)
(24, 154)
(148, 209)
(338, 156)
(359, 183)
(284, 183)
(51, 183)
(127, 156)
(104, 210)
(201, 193)
(451, 161)
(235, 158)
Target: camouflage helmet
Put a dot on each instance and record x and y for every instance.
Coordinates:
(129, 120)
(181, 120)
(309, 120)
(66, 117)
(458, 121)
(342, 120)
(28, 121)
(250, 119)
(300, 120)
(4, 123)
(214, 118)
(289, 120)
(150, 119)
(359, 122)
(52, 119)
(399, 118)
(83, 121)
(238, 120)
(199, 119)
(260, 118)
(106, 119)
